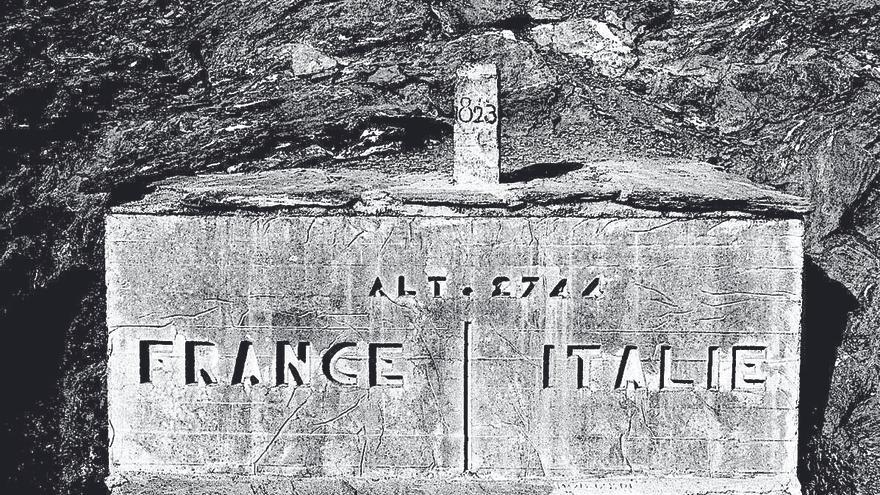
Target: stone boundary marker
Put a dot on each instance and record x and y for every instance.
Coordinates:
(477, 116)
(626, 327)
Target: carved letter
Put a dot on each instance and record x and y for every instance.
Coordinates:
(583, 353)
(746, 373)
(548, 349)
(438, 289)
(190, 363)
(497, 291)
(666, 379)
(145, 357)
(376, 291)
(531, 281)
(373, 363)
(591, 288)
(713, 369)
(401, 287)
(246, 365)
(559, 289)
(284, 362)
(330, 369)
(630, 370)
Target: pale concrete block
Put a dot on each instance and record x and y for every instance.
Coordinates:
(559, 351)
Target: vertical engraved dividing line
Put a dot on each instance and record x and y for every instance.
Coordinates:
(466, 404)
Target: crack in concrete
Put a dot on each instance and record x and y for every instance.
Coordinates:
(656, 227)
(428, 381)
(362, 433)
(388, 238)
(381, 431)
(289, 418)
(624, 435)
(356, 236)
(724, 304)
(746, 293)
(309, 231)
(347, 410)
(190, 316)
(523, 356)
(660, 293)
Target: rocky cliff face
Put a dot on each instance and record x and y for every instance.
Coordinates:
(100, 99)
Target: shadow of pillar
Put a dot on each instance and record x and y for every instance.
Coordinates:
(826, 308)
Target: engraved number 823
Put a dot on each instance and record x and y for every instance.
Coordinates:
(478, 113)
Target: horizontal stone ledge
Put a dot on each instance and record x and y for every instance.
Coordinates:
(162, 484)
(597, 189)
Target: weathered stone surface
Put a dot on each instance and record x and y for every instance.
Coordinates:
(460, 16)
(306, 60)
(377, 335)
(850, 260)
(265, 281)
(387, 76)
(733, 111)
(656, 186)
(545, 10)
(839, 174)
(140, 484)
(610, 52)
(690, 285)
(523, 73)
(478, 389)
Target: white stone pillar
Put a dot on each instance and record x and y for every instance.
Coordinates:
(477, 159)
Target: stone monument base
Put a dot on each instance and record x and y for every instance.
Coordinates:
(164, 484)
(625, 329)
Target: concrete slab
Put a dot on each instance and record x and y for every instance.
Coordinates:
(632, 334)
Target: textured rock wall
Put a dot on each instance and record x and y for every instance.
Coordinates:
(100, 99)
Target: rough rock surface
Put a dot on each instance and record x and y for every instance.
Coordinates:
(99, 100)
(305, 60)
(588, 38)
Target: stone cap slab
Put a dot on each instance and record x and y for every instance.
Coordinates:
(152, 484)
(644, 187)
